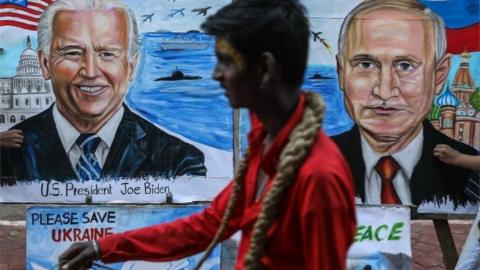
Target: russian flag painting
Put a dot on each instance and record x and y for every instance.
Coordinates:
(462, 23)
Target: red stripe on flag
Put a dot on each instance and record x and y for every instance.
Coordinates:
(29, 10)
(38, 5)
(18, 15)
(18, 24)
(48, 1)
(467, 38)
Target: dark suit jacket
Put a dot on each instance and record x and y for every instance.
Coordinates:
(431, 181)
(138, 149)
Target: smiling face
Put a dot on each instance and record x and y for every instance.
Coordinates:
(241, 86)
(89, 65)
(389, 74)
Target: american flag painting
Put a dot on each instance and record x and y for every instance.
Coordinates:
(22, 13)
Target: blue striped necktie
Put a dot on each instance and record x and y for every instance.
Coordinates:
(88, 167)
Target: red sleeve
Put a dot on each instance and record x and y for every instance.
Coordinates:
(328, 219)
(171, 241)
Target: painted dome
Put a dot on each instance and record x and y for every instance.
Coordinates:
(28, 52)
(447, 98)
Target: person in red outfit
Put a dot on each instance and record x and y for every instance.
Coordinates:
(293, 196)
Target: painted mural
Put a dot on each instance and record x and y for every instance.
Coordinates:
(382, 239)
(172, 89)
(163, 140)
(447, 115)
(390, 84)
(183, 119)
(51, 230)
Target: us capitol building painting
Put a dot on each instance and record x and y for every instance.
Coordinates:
(26, 93)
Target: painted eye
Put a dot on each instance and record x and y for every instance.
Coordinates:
(404, 66)
(107, 55)
(73, 54)
(366, 65)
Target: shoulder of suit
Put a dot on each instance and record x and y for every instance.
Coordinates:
(439, 138)
(152, 132)
(346, 139)
(132, 118)
(36, 122)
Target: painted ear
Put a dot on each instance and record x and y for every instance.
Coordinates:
(133, 67)
(44, 65)
(441, 72)
(341, 80)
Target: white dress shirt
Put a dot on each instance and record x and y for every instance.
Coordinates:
(406, 158)
(68, 135)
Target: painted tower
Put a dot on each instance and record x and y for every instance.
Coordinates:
(453, 112)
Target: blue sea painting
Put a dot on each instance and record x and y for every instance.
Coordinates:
(197, 108)
(174, 89)
(321, 79)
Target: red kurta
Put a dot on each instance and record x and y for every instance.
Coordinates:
(313, 230)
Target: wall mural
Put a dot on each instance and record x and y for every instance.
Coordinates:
(50, 230)
(388, 94)
(451, 110)
(392, 71)
(173, 89)
(175, 134)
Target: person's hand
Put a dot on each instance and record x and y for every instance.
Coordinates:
(11, 138)
(79, 255)
(446, 154)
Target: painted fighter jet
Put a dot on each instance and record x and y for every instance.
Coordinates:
(201, 11)
(174, 12)
(147, 17)
(316, 36)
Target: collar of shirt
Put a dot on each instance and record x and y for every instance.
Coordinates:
(256, 136)
(407, 158)
(68, 134)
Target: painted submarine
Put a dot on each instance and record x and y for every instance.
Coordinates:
(177, 75)
(317, 76)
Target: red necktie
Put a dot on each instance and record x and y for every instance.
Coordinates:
(387, 168)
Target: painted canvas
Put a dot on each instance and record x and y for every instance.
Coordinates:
(390, 66)
(172, 89)
(51, 230)
(170, 133)
(382, 239)
(390, 101)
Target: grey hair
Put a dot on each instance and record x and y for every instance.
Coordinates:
(366, 6)
(45, 25)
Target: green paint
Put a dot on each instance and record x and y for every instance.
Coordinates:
(368, 235)
(379, 233)
(359, 233)
(396, 231)
(475, 99)
(434, 113)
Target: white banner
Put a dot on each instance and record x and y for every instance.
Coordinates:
(51, 230)
(142, 190)
(382, 239)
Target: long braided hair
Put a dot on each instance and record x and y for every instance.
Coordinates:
(291, 158)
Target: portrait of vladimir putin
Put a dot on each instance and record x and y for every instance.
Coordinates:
(391, 62)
